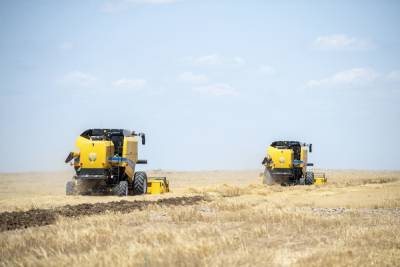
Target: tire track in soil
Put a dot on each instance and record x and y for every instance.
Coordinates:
(40, 217)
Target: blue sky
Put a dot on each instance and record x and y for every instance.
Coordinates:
(212, 83)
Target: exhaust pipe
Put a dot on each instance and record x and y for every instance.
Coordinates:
(142, 135)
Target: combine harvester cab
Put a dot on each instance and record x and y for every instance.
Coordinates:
(286, 163)
(106, 163)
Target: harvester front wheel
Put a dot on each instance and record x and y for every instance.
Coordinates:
(309, 178)
(139, 184)
(70, 188)
(121, 189)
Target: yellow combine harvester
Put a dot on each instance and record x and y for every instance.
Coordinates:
(106, 162)
(286, 164)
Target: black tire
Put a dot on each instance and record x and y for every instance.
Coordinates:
(121, 189)
(70, 188)
(139, 185)
(309, 178)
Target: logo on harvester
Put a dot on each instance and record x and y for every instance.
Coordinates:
(282, 160)
(92, 156)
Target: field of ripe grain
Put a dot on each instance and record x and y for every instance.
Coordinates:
(212, 218)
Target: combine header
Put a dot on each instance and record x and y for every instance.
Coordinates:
(106, 162)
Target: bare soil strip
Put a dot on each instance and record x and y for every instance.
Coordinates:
(40, 217)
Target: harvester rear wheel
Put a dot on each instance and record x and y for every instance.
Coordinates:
(309, 178)
(70, 188)
(139, 184)
(121, 189)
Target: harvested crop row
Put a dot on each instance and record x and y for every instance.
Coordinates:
(39, 217)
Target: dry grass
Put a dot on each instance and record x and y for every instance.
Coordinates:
(352, 221)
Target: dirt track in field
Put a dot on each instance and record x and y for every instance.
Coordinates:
(40, 217)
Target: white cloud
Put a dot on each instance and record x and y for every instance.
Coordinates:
(133, 84)
(238, 60)
(340, 42)
(79, 79)
(190, 77)
(359, 78)
(352, 77)
(267, 70)
(217, 89)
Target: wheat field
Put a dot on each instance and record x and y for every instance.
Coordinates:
(353, 220)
